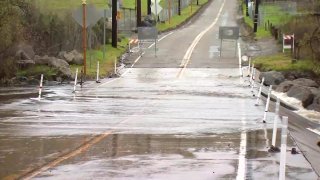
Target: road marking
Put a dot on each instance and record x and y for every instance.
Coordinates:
(161, 39)
(82, 148)
(242, 164)
(186, 59)
(127, 70)
(314, 131)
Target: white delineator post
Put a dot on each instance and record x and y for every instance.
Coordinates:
(75, 81)
(240, 65)
(249, 67)
(40, 87)
(259, 93)
(282, 171)
(275, 122)
(253, 80)
(251, 75)
(115, 66)
(98, 68)
(267, 105)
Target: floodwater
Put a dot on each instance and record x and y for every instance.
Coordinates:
(147, 124)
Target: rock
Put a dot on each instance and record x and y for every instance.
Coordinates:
(78, 58)
(301, 93)
(44, 60)
(61, 54)
(284, 86)
(25, 63)
(316, 102)
(305, 82)
(23, 51)
(62, 66)
(272, 78)
(72, 57)
(33, 81)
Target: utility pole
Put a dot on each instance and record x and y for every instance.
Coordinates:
(138, 13)
(149, 7)
(256, 16)
(84, 36)
(179, 7)
(114, 24)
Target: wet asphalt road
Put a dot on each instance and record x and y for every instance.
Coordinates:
(157, 121)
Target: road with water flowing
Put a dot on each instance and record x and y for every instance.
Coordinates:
(183, 114)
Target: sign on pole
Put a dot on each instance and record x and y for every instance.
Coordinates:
(155, 7)
(93, 15)
(228, 32)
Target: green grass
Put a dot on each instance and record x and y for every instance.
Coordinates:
(107, 64)
(283, 62)
(38, 69)
(185, 13)
(275, 16)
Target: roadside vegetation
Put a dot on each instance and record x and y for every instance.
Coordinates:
(306, 28)
(48, 27)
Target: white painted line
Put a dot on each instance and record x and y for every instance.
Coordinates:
(187, 56)
(242, 164)
(314, 131)
(160, 39)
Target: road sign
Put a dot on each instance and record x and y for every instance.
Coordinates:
(229, 32)
(155, 7)
(93, 15)
(147, 33)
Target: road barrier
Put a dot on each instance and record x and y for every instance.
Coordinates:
(98, 68)
(75, 81)
(260, 91)
(267, 105)
(133, 42)
(282, 171)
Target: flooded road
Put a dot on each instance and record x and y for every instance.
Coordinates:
(184, 114)
(154, 126)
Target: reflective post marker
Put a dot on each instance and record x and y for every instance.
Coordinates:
(115, 66)
(40, 87)
(267, 105)
(259, 93)
(276, 117)
(75, 81)
(239, 54)
(282, 171)
(98, 68)
(249, 66)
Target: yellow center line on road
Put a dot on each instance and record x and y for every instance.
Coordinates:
(186, 59)
(81, 149)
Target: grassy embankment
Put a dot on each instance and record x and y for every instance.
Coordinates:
(280, 61)
(106, 65)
